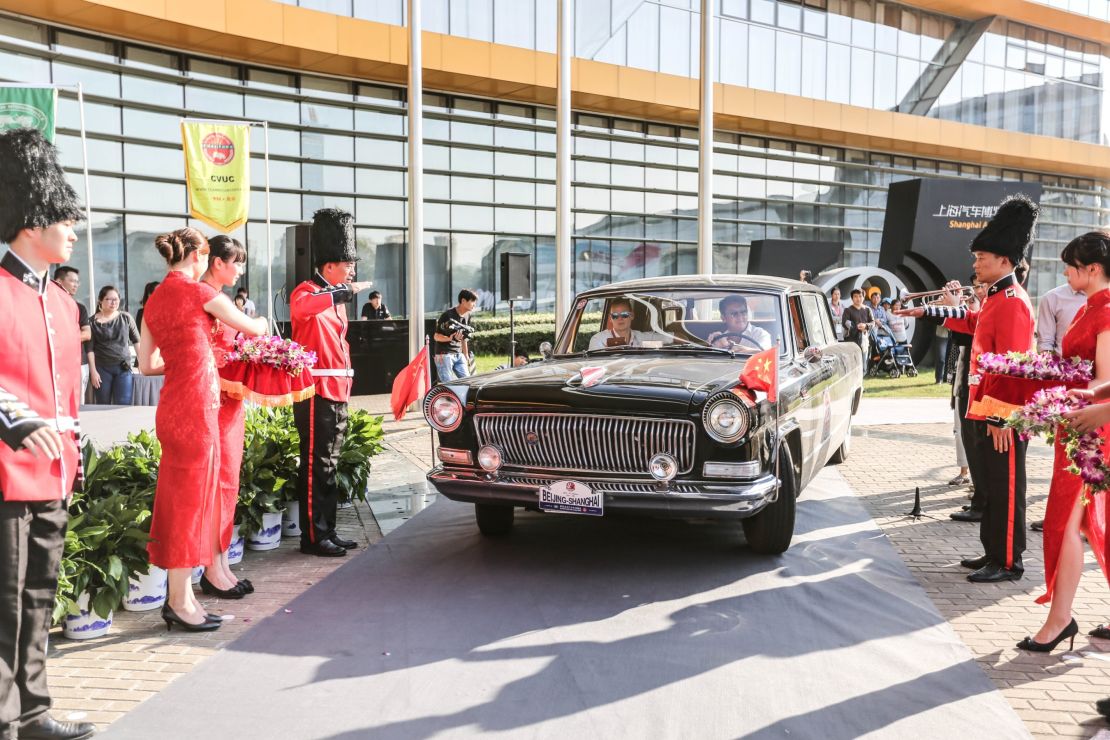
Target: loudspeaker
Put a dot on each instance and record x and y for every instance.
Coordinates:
(298, 254)
(516, 276)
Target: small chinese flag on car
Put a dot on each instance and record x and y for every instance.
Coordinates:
(761, 373)
(410, 385)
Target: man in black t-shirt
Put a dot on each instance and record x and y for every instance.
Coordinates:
(858, 319)
(375, 310)
(70, 279)
(451, 350)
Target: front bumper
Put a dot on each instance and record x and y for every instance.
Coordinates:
(720, 499)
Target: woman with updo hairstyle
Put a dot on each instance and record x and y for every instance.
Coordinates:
(176, 340)
(226, 259)
(1087, 269)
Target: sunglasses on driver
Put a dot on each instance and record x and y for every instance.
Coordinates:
(620, 314)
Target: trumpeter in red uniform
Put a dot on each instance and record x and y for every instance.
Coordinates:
(318, 308)
(40, 387)
(1004, 323)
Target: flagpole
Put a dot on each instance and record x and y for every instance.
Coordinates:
(91, 278)
(428, 372)
(270, 312)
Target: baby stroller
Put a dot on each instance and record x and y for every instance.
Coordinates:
(888, 355)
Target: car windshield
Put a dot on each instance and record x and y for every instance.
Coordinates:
(734, 321)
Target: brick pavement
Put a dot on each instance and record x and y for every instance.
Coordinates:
(101, 679)
(1055, 693)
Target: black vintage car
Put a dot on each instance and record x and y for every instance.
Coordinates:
(639, 409)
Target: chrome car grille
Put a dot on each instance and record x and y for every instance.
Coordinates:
(580, 443)
(615, 487)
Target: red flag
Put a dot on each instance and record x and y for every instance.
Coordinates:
(410, 385)
(761, 373)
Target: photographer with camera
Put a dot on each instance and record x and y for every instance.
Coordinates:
(452, 331)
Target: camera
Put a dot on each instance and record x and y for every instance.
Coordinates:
(466, 329)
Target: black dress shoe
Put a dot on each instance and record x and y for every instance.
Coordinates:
(170, 617)
(1037, 526)
(235, 592)
(325, 549)
(345, 544)
(1103, 707)
(46, 727)
(246, 585)
(992, 573)
(975, 563)
(971, 515)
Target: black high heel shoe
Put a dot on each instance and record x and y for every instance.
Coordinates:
(232, 593)
(170, 617)
(1047, 647)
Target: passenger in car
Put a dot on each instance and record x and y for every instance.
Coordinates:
(620, 332)
(738, 332)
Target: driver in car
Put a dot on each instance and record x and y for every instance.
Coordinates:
(621, 332)
(738, 331)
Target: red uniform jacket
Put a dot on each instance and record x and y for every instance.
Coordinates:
(319, 314)
(1004, 324)
(40, 382)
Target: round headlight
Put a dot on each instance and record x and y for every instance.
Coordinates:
(663, 467)
(444, 412)
(726, 419)
(489, 457)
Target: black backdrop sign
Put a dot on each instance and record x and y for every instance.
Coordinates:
(930, 223)
(788, 257)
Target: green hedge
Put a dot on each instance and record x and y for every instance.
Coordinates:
(528, 338)
(483, 322)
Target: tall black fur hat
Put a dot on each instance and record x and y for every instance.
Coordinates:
(333, 236)
(1010, 233)
(33, 187)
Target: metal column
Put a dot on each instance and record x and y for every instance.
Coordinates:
(415, 251)
(705, 143)
(564, 292)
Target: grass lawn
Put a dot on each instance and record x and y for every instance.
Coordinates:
(904, 387)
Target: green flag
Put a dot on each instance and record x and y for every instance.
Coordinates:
(28, 107)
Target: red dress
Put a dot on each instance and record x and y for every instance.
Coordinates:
(1080, 340)
(231, 422)
(186, 423)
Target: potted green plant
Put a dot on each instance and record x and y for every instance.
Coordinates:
(267, 475)
(109, 527)
(363, 441)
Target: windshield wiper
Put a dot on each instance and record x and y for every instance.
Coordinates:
(702, 348)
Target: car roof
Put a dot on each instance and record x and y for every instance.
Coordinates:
(726, 282)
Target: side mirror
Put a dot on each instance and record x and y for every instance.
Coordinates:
(811, 354)
(546, 350)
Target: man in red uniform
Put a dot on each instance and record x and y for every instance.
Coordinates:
(318, 308)
(1004, 323)
(40, 386)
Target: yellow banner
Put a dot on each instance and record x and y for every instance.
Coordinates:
(217, 172)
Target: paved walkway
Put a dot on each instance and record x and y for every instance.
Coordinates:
(1053, 694)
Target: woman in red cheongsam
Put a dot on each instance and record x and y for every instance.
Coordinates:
(177, 341)
(226, 259)
(1087, 267)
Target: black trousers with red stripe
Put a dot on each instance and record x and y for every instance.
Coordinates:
(1002, 530)
(322, 425)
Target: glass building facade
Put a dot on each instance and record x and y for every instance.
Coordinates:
(490, 165)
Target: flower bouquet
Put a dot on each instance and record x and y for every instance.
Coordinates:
(1014, 378)
(1044, 414)
(268, 370)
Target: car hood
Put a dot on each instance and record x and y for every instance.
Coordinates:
(626, 383)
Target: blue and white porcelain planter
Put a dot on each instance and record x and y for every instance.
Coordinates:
(197, 573)
(291, 521)
(235, 549)
(86, 625)
(146, 591)
(269, 537)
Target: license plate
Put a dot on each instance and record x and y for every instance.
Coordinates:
(571, 497)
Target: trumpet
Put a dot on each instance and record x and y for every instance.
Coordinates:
(966, 293)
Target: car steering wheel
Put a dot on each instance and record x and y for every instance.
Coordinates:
(741, 336)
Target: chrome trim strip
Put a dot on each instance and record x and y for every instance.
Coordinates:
(590, 444)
